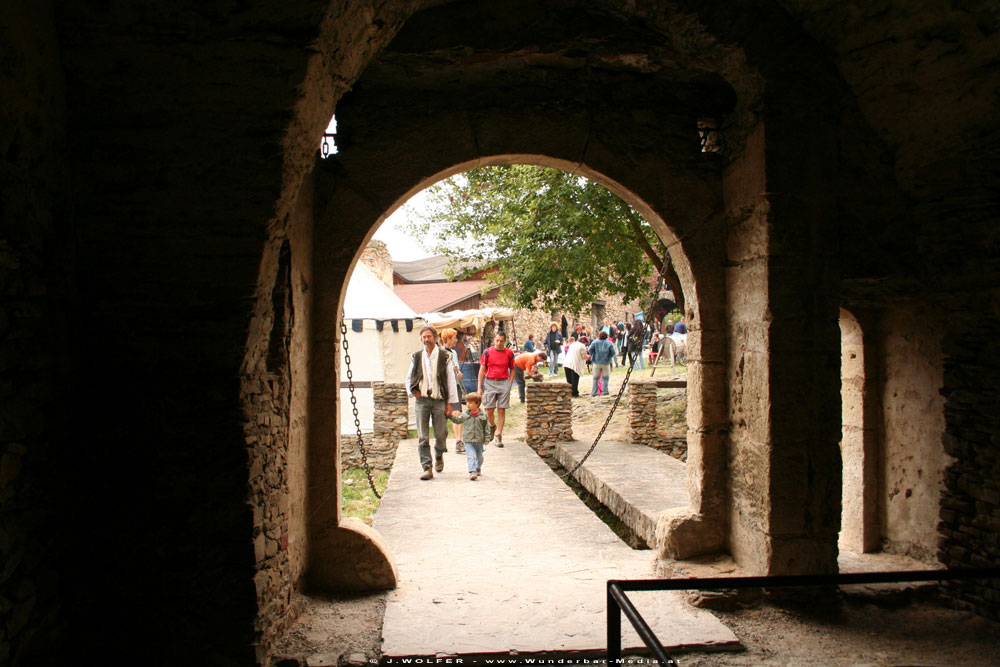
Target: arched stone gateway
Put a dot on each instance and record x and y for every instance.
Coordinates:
(704, 228)
(173, 256)
(420, 113)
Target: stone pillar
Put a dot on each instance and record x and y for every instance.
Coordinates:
(549, 415)
(782, 286)
(642, 412)
(859, 519)
(782, 283)
(390, 412)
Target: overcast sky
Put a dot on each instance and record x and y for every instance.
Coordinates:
(402, 247)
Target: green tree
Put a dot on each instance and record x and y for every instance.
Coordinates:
(554, 237)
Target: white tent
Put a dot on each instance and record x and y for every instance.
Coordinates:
(460, 319)
(380, 351)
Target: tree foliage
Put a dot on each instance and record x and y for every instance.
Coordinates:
(554, 237)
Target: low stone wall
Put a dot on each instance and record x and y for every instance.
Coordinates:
(642, 412)
(548, 413)
(674, 445)
(389, 428)
(390, 412)
(643, 423)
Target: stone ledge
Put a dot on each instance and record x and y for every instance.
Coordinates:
(633, 481)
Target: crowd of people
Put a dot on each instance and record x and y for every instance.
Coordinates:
(438, 386)
(583, 352)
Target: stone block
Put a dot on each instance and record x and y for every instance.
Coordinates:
(259, 547)
(351, 556)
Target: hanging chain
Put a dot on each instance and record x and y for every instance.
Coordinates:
(354, 406)
(628, 373)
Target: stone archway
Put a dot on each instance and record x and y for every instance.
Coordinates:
(341, 213)
(761, 280)
(161, 232)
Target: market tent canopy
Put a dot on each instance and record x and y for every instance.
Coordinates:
(461, 319)
(368, 298)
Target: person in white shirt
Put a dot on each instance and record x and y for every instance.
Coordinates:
(431, 381)
(575, 363)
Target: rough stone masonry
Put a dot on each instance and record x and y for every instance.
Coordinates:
(549, 415)
(642, 412)
(388, 429)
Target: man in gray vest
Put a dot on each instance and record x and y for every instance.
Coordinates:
(431, 381)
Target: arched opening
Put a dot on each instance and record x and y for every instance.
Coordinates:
(193, 130)
(328, 287)
(859, 528)
(697, 389)
(747, 273)
(748, 422)
(578, 246)
(893, 457)
(756, 285)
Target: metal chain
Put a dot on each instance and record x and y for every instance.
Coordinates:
(354, 405)
(628, 373)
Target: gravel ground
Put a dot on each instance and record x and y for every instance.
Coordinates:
(331, 631)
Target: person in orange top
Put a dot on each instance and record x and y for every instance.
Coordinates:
(527, 364)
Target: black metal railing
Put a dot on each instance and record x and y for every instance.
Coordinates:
(619, 603)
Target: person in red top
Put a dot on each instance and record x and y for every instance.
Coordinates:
(527, 364)
(495, 379)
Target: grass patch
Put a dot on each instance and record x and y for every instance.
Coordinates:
(516, 413)
(356, 495)
(671, 409)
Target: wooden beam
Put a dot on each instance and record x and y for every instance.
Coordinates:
(671, 384)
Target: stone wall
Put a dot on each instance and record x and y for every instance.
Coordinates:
(548, 414)
(970, 502)
(391, 412)
(41, 449)
(643, 424)
(914, 458)
(390, 427)
(179, 359)
(377, 258)
(537, 321)
(673, 445)
(148, 162)
(266, 442)
(642, 412)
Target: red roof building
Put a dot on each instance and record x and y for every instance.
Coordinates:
(425, 287)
